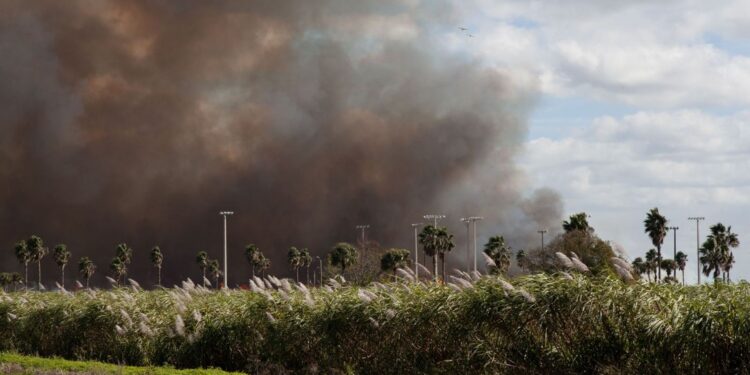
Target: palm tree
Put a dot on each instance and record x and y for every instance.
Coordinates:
(445, 245)
(62, 256)
(86, 268)
(718, 250)
(499, 252)
(202, 260)
(394, 259)
(711, 258)
(157, 258)
(521, 259)
(652, 262)
(640, 266)
(726, 240)
(306, 259)
(428, 238)
(681, 261)
(253, 256)
(24, 257)
(294, 257)
(669, 265)
(577, 222)
(655, 226)
(37, 251)
(264, 264)
(342, 255)
(214, 269)
(125, 254)
(118, 268)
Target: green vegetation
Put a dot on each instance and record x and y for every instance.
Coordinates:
(20, 364)
(499, 253)
(394, 259)
(559, 323)
(157, 259)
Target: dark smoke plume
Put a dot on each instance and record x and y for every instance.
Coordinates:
(138, 121)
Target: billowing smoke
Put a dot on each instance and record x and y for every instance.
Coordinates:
(138, 121)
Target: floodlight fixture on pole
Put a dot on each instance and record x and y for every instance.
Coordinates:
(362, 227)
(472, 220)
(225, 214)
(542, 232)
(674, 230)
(434, 218)
(416, 251)
(697, 243)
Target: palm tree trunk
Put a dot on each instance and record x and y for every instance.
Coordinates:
(683, 276)
(26, 277)
(87, 282)
(159, 275)
(434, 267)
(62, 276)
(308, 274)
(442, 263)
(204, 277)
(658, 251)
(39, 274)
(253, 270)
(297, 269)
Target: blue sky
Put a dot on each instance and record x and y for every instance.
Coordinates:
(639, 104)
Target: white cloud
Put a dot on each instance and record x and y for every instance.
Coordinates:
(685, 162)
(641, 53)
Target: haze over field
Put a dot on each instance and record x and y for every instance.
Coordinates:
(138, 122)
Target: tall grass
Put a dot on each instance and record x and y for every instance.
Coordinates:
(533, 324)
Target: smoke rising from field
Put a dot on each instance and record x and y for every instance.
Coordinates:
(138, 121)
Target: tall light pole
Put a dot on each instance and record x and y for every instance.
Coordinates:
(674, 231)
(698, 243)
(416, 251)
(434, 218)
(225, 214)
(362, 227)
(472, 220)
(320, 265)
(468, 245)
(542, 232)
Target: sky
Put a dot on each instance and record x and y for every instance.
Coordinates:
(640, 104)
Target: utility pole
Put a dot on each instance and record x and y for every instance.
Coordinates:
(542, 232)
(363, 227)
(226, 275)
(674, 230)
(320, 265)
(468, 245)
(416, 251)
(698, 244)
(472, 220)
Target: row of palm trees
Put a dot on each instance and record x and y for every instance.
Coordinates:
(32, 250)
(715, 255)
(208, 267)
(652, 263)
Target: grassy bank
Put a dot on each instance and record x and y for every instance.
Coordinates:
(539, 324)
(20, 364)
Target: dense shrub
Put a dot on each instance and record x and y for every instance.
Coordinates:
(540, 324)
